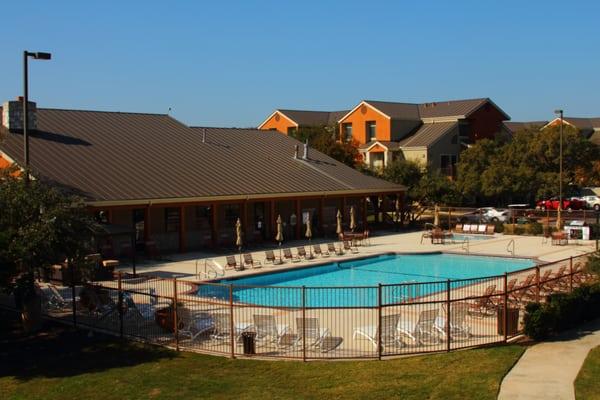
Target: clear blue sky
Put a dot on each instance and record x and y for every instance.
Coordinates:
(230, 63)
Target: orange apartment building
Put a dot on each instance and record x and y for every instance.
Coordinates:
(431, 133)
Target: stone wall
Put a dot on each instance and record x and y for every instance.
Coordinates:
(12, 115)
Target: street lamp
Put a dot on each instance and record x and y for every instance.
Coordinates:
(560, 169)
(35, 56)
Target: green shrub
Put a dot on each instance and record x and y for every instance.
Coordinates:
(519, 230)
(535, 228)
(562, 311)
(498, 227)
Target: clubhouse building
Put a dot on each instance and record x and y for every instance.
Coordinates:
(185, 187)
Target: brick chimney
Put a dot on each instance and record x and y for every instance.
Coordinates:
(12, 115)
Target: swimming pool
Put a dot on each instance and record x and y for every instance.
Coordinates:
(355, 283)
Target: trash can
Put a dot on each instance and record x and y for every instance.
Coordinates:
(512, 315)
(249, 343)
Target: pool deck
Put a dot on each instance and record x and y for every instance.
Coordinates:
(184, 265)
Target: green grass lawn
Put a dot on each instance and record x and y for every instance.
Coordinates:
(66, 364)
(587, 384)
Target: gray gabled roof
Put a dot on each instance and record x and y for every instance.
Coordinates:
(124, 157)
(313, 118)
(428, 134)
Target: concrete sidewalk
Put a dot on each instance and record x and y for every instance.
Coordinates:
(548, 370)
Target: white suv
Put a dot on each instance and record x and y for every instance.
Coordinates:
(592, 202)
(492, 214)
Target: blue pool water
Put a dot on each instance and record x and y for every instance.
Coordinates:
(354, 283)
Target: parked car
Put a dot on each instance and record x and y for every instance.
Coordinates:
(592, 202)
(485, 215)
(567, 204)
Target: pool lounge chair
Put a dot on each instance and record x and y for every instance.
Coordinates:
(557, 281)
(270, 258)
(481, 229)
(309, 328)
(268, 331)
(232, 263)
(466, 228)
(303, 254)
(524, 291)
(485, 305)
(389, 332)
(333, 250)
(193, 324)
(459, 329)
(317, 250)
(249, 261)
(458, 228)
(222, 327)
(423, 331)
(349, 247)
(287, 254)
(490, 229)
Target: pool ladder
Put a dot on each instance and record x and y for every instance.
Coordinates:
(210, 270)
(509, 249)
(465, 245)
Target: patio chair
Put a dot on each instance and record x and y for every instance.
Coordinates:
(133, 309)
(481, 229)
(287, 254)
(193, 324)
(580, 274)
(270, 258)
(309, 328)
(348, 247)
(524, 291)
(389, 332)
(555, 281)
(58, 296)
(232, 263)
(485, 305)
(249, 261)
(333, 250)
(490, 229)
(427, 235)
(222, 327)
(423, 331)
(317, 250)
(268, 330)
(458, 228)
(466, 228)
(459, 329)
(366, 241)
(302, 253)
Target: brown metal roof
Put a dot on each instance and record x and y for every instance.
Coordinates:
(428, 134)
(584, 123)
(516, 126)
(313, 118)
(396, 110)
(112, 156)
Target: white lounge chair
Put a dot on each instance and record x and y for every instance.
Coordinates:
(348, 247)
(268, 330)
(193, 324)
(309, 328)
(222, 327)
(389, 332)
(459, 329)
(423, 331)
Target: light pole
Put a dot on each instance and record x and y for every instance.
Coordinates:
(35, 56)
(560, 170)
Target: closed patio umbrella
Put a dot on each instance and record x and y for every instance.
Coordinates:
(352, 219)
(238, 238)
(338, 228)
(436, 215)
(309, 234)
(279, 235)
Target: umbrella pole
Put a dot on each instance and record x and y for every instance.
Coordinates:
(280, 255)
(310, 248)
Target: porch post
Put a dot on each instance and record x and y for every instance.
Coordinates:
(298, 219)
(321, 216)
(182, 237)
(364, 212)
(147, 223)
(213, 224)
(272, 218)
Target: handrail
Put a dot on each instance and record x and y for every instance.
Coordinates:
(512, 252)
(465, 245)
(211, 269)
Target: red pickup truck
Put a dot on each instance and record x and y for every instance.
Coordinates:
(567, 204)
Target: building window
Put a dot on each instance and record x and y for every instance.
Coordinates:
(448, 164)
(347, 132)
(371, 130)
(377, 160)
(171, 219)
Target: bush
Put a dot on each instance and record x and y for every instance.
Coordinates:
(498, 227)
(535, 228)
(519, 230)
(562, 311)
